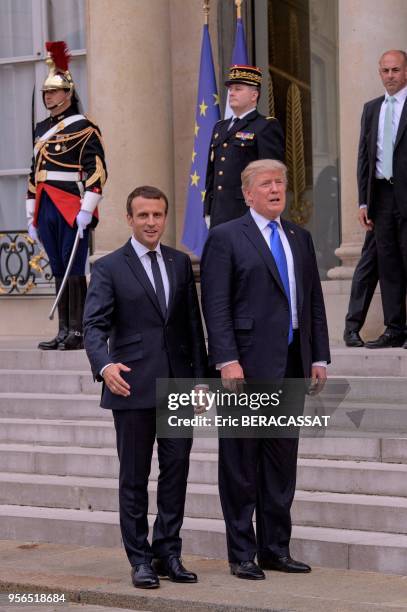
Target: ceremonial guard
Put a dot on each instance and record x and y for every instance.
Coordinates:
(68, 172)
(237, 141)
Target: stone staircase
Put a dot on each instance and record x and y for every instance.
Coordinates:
(58, 465)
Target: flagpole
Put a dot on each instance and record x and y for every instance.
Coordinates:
(206, 11)
(238, 4)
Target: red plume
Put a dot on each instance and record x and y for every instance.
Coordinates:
(59, 53)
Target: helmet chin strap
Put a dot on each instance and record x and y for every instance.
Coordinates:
(55, 106)
(50, 108)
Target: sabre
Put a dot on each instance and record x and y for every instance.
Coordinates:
(65, 279)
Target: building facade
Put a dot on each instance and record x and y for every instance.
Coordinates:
(135, 64)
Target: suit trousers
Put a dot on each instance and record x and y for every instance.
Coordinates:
(260, 474)
(391, 233)
(135, 436)
(364, 281)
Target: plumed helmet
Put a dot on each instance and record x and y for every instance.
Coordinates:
(57, 60)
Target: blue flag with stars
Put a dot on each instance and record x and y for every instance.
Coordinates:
(207, 114)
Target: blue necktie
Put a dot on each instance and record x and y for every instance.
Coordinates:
(278, 253)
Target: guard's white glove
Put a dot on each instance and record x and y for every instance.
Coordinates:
(83, 219)
(208, 221)
(32, 232)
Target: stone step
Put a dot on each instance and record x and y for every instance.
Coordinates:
(368, 362)
(100, 434)
(368, 417)
(316, 509)
(340, 548)
(345, 361)
(370, 478)
(34, 359)
(52, 406)
(89, 462)
(43, 381)
(385, 390)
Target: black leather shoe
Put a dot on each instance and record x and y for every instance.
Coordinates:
(352, 338)
(285, 564)
(72, 342)
(63, 319)
(248, 570)
(55, 343)
(173, 569)
(387, 340)
(144, 577)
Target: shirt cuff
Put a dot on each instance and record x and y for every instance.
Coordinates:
(362, 205)
(219, 366)
(104, 368)
(323, 364)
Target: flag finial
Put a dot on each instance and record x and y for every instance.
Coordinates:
(206, 11)
(238, 4)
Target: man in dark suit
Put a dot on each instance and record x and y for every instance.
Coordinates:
(265, 315)
(364, 282)
(142, 300)
(382, 186)
(235, 142)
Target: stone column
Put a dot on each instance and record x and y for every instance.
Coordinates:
(366, 29)
(130, 97)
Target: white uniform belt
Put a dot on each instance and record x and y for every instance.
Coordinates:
(51, 175)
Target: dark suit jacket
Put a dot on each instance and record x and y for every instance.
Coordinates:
(122, 308)
(367, 157)
(245, 307)
(253, 137)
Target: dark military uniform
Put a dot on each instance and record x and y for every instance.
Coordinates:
(251, 138)
(65, 166)
(68, 172)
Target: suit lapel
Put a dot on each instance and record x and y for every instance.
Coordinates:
(172, 277)
(256, 238)
(139, 272)
(375, 126)
(223, 131)
(402, 123)
(295, 250)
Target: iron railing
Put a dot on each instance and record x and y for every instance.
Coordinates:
(24, 267)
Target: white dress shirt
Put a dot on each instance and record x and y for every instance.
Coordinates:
(141, 252)
(240, 116)
(263, 225)
(399, 99)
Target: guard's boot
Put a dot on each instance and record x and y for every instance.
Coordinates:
(63, 310)
(77, 296)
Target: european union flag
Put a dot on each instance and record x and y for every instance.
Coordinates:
(207, 113)
(239, 57)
